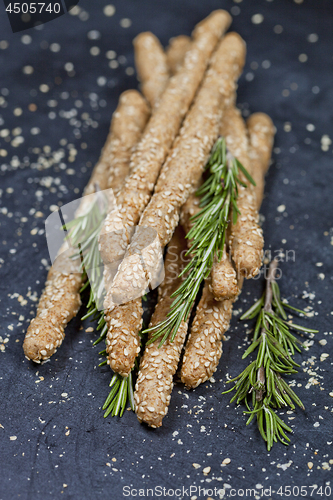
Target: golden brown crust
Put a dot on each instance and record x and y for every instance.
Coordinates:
(246, 240)
(224, 278)
(152, 66)
(190, 208)
(123, 340)
(159, 364)
(261, 134)
(127, 125)
(204, 344)
(182, 171)
(59, 303)
(163, 127)
(60, 300)
(175, 52)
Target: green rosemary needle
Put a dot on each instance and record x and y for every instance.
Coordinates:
(218, 195)
(262, 380)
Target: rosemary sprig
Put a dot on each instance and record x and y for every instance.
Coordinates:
(262, 380)
(121, 393)
(218, 195)
(122, 390)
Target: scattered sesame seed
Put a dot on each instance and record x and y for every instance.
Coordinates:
(109, 10)
(125, 22)
(257, 18)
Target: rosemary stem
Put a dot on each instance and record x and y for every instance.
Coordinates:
(269, 280)
(261, 377)
(261, 381)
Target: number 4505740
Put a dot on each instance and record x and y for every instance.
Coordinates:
(303, 491)
(33, 8)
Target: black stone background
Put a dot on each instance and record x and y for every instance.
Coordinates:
(43, 459)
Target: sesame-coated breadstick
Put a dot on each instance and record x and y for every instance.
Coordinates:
(152, 66)
(159, 135)
(159, 364)
(204, 344)
(184, 166)
(175, 52)
(246, 240)
(224, 278)
(129, 123)
(261, 134)
(124, 321)
(60, 300)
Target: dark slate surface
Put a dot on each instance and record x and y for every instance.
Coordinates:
(54, 442)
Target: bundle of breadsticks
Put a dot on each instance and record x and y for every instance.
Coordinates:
(154, 159)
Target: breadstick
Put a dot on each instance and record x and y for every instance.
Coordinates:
(176, 51)
(60, 300)
(246, 240)
(159, 134)
(125, 321)
(224, 278)
(152, 66)
(204, 345)
(127, 128)
(184, 166)
(159, 364)
(190, 208)
(261, 134)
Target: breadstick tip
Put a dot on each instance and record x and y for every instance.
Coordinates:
(236, 42)
(261, 120)
(214, 21)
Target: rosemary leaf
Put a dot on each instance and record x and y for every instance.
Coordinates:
(262, 378)
(218, 201)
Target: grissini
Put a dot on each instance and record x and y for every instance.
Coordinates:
(187, 159)
(246, 240)
(175, 52)
(124, 321)
(224, 278)
(158, 365)
(158, 137)
(60, 300)
(152, 66)
(204, 344)
(261, 132)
